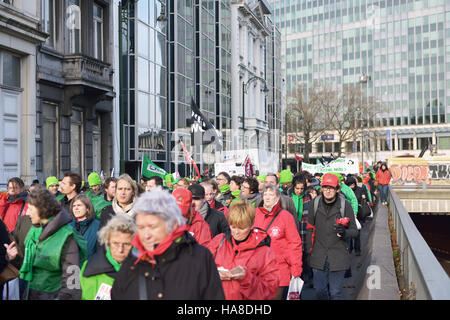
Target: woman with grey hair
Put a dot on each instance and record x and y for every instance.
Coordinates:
(168, 263)
(285, 239)
(99, 273)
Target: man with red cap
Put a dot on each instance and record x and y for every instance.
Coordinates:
(196, 224)
(331, 222)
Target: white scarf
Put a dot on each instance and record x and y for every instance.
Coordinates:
(128, 210)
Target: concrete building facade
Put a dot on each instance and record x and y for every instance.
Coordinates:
(19, 35)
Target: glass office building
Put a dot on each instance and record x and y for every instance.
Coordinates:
(403, 47)
(172, 52)
(143, 77)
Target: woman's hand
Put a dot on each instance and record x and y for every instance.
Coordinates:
(238, 273)
(224, 274)
(11, 250)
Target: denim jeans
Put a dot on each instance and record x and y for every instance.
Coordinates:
(324, 278)
(384, 189)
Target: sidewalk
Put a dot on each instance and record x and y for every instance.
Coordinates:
(376, 254)
(381, 259)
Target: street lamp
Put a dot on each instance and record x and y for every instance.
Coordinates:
(363, 79)
(244, 91)
(162, 15)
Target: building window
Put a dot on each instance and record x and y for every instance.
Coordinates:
(73, 24)
(50, 141)
(76, 141)
(406, 144)
(444, 143)
(10, 70)
(48, 22)
(11, 2)
(98, 32)
(422, 142)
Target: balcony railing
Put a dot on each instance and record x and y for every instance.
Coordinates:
(84, 70)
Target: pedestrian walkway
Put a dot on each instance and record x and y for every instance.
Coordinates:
(376, 253)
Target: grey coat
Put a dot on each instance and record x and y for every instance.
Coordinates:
(326, 242)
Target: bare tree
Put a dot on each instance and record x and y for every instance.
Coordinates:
(305, 115)
(348, 113)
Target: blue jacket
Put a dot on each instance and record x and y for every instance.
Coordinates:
(88, 229)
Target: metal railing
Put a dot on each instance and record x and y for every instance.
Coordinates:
(422, 271)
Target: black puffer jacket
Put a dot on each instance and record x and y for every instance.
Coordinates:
(185, 271)
(217, 222)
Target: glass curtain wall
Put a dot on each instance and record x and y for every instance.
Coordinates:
(407, 60)
(223, 71)
(144, 81)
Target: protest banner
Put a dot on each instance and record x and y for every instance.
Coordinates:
(340, 165)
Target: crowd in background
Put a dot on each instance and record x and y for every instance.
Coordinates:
(221, 237)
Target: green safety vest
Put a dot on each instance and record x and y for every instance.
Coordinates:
(99, 203)
(47, 267)
(91, 285)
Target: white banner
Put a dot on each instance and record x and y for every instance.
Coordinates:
(341, 165)
(229, 168)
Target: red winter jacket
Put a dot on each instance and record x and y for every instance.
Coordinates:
(383, 177)
(199, 228)
(261, 278)
(9, 211)
(285, 241)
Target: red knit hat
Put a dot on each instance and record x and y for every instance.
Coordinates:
(183, 198)
(330, 179)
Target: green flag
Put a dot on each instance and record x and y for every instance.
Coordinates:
(149, 169)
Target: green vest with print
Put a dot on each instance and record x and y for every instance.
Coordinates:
(47, 266)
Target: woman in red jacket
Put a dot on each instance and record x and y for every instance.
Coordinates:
(285, 239)
(247, 266)
(383, 177)
(14, 203)
(195, 222)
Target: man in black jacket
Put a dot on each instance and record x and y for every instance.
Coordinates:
(326, 241)
(216, 220)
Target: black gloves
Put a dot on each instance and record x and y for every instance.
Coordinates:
(340, 229)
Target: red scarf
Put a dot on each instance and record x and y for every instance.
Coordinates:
(160, 249)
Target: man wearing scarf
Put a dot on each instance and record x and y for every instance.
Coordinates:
(166, 263)
(223, 181)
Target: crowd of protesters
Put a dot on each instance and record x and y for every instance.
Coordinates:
(222, 237)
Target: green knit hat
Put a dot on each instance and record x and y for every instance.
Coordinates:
(94, 179)
(168, 178)
(51, 181)
(261, 177)
(286, 176)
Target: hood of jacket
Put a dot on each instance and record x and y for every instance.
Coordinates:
(256, 239)
(252, 197)
(98, 264)
(59, 220)
(23, 196)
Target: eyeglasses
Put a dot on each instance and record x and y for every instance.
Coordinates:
(117, 245)
(328, 188)
(245, 187)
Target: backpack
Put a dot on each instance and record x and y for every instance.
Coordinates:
(316, 205)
